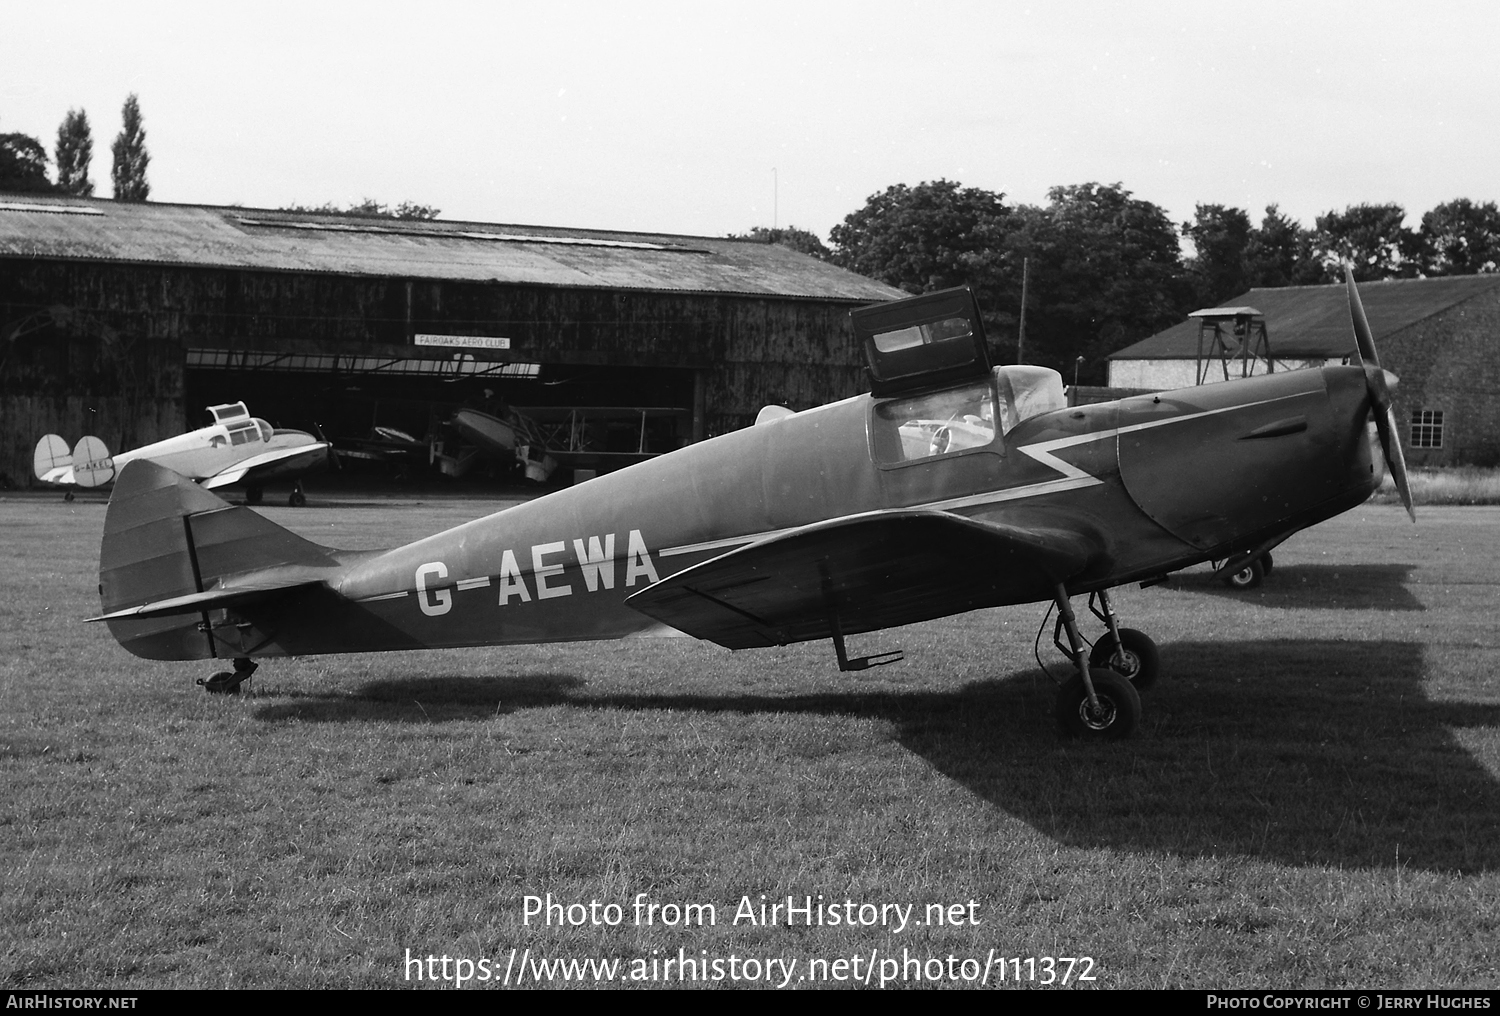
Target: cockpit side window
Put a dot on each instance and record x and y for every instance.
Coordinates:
(934, 424)
(244, 433)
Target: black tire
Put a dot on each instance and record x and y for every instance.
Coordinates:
(1265, 563)
(68, 496)
(1139, 662)
(225, 682)
(297, 500)
(1119, 708)
(253, 495)
(1247, 577)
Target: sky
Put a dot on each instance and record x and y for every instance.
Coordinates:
(712, 118)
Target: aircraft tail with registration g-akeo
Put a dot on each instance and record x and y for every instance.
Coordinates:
(953, 485)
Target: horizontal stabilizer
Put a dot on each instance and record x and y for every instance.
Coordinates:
(250, 591)
(866, 572)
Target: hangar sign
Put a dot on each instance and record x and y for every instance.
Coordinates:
(477, 341)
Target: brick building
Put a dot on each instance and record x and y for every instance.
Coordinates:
(1440, 336)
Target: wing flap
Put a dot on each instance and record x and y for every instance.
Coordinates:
(872, 571)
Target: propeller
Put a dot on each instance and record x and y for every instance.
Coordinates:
(1378, 383)
(334, 462)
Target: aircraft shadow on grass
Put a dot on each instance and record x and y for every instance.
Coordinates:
(1306, 752)
(1326, 586)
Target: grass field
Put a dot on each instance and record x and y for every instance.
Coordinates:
(1313, 799)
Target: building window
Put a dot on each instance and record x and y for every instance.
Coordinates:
(1427, 428)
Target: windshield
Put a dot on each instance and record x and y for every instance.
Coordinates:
(934, 424)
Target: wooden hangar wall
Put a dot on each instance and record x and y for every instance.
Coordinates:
(103, 348)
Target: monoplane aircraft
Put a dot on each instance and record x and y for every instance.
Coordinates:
(950, 486)
(236, 449)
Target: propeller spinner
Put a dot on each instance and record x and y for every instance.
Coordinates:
(1378, 383)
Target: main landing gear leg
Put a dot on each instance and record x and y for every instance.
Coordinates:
(1127, 652)
(227, 682)
(1095, 703)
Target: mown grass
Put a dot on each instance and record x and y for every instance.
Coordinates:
(1468, 485)
(1312, 800)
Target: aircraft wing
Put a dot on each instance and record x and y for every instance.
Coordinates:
(871, 571)
(275, 462)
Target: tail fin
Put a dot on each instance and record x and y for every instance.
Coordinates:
(174, 554)
(92, 466)
(52, 459)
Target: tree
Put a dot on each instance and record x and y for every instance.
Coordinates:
(131, 157)
(1279, 253)
(23, 164)
(800, 240)
(931, 236)
(1371, 238)
(369, 208)
(1106, 270)
(75, 150)
(1461, 238)
(1217, 270)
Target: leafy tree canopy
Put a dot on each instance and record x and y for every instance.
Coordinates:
(1371, 238)
(23, 164)
(130, 156)
(75, 150)
(369, 208)
(1461, 238)
(931, 236)
(800, 240)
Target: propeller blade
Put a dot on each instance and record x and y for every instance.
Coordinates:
(1364, 339)
(1395, 459)
(1377, 384)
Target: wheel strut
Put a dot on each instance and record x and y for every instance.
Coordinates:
(1074, 650)
(227, 682)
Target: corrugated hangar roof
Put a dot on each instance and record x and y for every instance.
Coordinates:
(49, 226)
(1313, 321)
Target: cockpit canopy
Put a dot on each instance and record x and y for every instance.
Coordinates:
(928, 341)
(964, 417)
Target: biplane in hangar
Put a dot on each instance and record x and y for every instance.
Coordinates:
(235, 450)
(952, 485)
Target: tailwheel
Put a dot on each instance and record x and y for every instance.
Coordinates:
(227, 682)
(1137, 658)
(1113, 714)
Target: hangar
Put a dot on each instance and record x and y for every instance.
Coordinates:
(1440, 336)
(125, 320)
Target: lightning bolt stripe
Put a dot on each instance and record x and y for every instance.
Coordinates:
(1072, 478)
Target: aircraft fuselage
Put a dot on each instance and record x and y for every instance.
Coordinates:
(1166, 480)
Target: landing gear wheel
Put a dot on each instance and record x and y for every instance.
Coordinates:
(1114, 719)
(227, 682)
(223, 683)
(253, 495)
(297, 500)
(1247, 577)
(1265, 563)
(68, 496)
(1138, 660)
